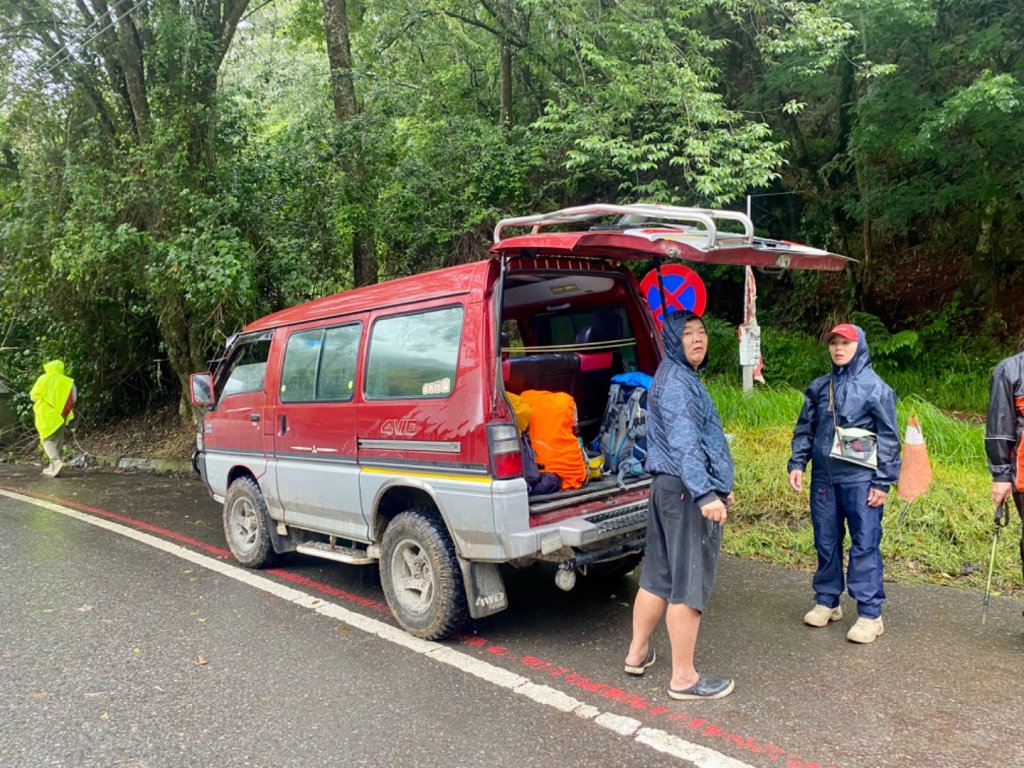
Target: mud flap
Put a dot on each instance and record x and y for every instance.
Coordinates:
(279, 538)
(485, 589)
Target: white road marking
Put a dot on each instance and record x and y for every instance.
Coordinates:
(656, 739)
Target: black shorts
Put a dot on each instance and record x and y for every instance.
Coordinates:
(682, 546)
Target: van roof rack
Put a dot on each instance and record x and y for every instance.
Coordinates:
(642, 230)
(674, 219)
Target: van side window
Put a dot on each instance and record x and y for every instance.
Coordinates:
(414, 355)
(338, 363)
(320, 364)
(301, 360)
(247, 368)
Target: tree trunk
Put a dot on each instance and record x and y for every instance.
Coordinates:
(985, 266)
(865, 281)
(506, 83)
(346, 109)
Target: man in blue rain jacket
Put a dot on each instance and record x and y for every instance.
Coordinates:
(844, 494)
(693, 475)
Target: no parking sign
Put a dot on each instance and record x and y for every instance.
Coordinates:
(683, 290)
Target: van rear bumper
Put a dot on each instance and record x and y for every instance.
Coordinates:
(584, 533)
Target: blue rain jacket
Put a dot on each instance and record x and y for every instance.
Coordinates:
(862, 400)
(684, 433)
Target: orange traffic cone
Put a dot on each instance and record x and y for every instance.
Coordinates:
(916, 472)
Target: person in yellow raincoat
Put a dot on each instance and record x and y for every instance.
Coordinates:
(53, 396)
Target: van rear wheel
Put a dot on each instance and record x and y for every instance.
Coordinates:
(421, 576)
(247, 524)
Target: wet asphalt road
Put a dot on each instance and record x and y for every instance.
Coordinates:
(113, 653)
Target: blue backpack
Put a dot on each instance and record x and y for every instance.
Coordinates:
(622, 438)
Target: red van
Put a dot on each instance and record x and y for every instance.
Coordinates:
(373, 427)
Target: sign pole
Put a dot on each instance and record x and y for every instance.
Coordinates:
(750, 334)
(748, 379)
(749, 331)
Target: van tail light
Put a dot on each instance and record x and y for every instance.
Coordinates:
(506, 457)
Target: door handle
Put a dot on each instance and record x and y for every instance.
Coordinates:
(254, 418)
(284, 424)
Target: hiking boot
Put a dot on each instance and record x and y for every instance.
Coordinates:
(820, 615)
(865, 630)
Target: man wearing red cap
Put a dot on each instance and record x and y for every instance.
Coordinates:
(848, 488)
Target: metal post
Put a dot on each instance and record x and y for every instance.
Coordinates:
(748, 379)
(748, 318)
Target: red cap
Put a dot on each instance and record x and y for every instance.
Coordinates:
(845, 330)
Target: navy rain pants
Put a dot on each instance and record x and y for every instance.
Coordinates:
(831, 507)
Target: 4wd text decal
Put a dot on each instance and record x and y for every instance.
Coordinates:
(403, 427)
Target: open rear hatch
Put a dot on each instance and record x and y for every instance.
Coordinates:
(591, 242)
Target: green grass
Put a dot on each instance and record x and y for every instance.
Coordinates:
(945, 536)
(952, 375)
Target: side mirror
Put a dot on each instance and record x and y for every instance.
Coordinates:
(201, 385)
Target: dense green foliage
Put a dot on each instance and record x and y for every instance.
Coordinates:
(936, 364)
(171, 169)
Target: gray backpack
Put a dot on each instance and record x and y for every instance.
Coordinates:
(623, 435)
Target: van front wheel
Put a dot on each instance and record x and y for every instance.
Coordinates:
(421, 576)
(247, 524)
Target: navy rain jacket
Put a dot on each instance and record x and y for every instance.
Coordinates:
(862, 400)
(684, 433)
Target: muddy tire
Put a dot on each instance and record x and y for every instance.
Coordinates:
(247, 524)
(421, 577)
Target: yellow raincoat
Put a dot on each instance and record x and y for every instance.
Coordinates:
(50, 394)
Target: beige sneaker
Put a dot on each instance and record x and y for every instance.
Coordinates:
(58, 467)
(48, 470)
(866, 630)
(820, 615)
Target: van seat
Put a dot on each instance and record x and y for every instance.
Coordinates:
(584, 376)
(550, 371)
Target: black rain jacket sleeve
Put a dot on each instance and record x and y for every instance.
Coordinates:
(1004, 424)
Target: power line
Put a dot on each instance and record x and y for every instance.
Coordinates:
(82, 33)
(114, 20)
(64, 53)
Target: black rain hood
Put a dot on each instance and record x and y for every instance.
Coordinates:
(672, 337)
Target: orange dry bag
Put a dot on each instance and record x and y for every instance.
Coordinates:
(553, 434)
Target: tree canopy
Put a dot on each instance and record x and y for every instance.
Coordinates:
(171, 169)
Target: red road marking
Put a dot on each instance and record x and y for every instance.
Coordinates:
(767, 749)
(129, 521)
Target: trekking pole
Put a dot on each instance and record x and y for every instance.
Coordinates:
(903, 512)
(1002, 516)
